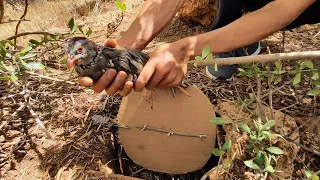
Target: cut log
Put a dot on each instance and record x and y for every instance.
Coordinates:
(200, 11)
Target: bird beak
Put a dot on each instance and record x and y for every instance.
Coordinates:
(71, 61)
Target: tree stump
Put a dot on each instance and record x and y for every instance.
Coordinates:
(201, 11)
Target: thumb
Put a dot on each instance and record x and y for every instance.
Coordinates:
(110, 43)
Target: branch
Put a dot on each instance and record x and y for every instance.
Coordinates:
(292, 56)
(1, 10)
(13, 20)
(22, 17)
(36, 32)
(49, 78)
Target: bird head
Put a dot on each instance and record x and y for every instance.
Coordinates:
(81, 51)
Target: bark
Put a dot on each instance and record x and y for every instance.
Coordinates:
(1, 10)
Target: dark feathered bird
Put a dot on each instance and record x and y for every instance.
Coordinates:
(92, 60)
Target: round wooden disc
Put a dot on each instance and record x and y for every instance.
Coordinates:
(165, 132)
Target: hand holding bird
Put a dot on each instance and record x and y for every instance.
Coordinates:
(116, 70)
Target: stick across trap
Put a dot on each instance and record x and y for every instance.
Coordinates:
(174, 136)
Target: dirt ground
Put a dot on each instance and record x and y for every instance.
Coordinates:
(85, 148)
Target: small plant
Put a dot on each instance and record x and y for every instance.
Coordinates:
(263, 153)
(312, 175)
(226, 146)
(206, 55)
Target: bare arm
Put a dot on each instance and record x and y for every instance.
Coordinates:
(154, 16)
(247, 29)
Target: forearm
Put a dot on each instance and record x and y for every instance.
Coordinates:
(249, 28)
(154, 16)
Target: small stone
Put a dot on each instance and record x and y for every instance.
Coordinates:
(2, 138)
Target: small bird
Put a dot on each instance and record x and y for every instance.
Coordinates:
(92, 60)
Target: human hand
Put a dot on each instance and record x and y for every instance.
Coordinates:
(166, 68)
(111, 81)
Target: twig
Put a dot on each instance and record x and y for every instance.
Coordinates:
(35, 32)
(13, 20)
(50, 78)
(1, 10)
(114, 29)
(170, 132)
(269, 84)
(22, 17)
(259, 99)
(36, 118)
(298, 144)
(292, 56)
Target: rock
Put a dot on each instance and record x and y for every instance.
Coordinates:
(201, 11)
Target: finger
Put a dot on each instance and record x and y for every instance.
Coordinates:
(167, 80)
(128, 86)
(144, 76)
(104, 81)
(110, 43)
(118, 82)
(85, 81)
(176, 82)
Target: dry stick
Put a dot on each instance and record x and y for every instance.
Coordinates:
(22, 17)
(114, 29)
(49, 78)
(14, 20)
(292, 56)
(1, 10)
(35, 117)
(35, 32)
(298, 144)
(269, 84)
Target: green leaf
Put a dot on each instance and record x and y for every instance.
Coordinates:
(210, 56)
(314, 92)
(198, 58)
(219, 121)
(266, 159)
(121, 5)
(252, 97)
(9, 68)
(268, 125)
(205, 52)
(13, 77)
(308, 63)
(35, 42)
(71, 23)
(89, 32)
(4, 78)
(28, 56)
(275, 150)
(45, 38)
(314, 177)
(317, 83)
(227, 145)
(80, 29)
(250, 73)
(297, 79)
(216, 152)
(35, 65)
(25, 50)
(259, 159)
(245, 128)
(251, 165)
(266, 134)
(278, 64)
(308, 173)
(270, 169)
(227, 162)
(64, 60)
(315, 76)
